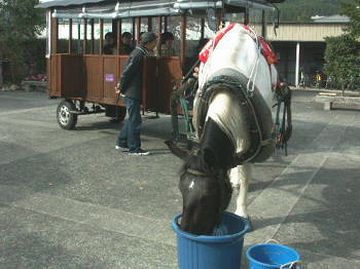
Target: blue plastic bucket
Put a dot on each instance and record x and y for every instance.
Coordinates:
(212, 252)
(269, 256)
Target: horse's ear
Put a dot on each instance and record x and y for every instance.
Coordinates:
(178, 149)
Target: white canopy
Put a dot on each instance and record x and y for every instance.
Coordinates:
(108, 9)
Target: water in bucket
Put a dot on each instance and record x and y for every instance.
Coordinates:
(271, 256)
(221, 250)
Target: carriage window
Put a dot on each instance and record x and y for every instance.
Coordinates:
(127, 25)
(63, 36)
(88, 36)
(77, 34)
(107, 27)
(235, 17)
(255, 18)
(109, 38)
(144, 25)
(168, 40)
(93, 44)
(197, 35)
(70, 36)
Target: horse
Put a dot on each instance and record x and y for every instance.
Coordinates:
(233, 123)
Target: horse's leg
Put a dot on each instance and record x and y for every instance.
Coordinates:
(240, 177)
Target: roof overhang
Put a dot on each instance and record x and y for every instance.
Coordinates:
(108, 9)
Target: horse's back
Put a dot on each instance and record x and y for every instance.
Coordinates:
(238, 50)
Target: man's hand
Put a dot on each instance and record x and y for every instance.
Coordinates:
(118, 92)
(196, 72)
(117, 88)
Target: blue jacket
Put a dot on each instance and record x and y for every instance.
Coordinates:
(131, 80)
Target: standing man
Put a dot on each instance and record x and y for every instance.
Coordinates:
(130, 85)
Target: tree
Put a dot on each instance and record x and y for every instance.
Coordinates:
(342, 56)
(352, 10)
(302, 10)
(20, 24)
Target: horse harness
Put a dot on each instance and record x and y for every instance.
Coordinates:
(283, 126)
(262, 142)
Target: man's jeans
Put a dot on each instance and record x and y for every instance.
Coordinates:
(129, 135)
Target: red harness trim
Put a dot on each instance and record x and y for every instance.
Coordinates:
(266, 49)
(212, 43)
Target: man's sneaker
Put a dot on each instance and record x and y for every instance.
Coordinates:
(121, 148)
(139, 152)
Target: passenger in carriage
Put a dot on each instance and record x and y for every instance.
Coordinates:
(110, 44)
(130, 86)
(139, 41)
(126, 43)
(167, 44)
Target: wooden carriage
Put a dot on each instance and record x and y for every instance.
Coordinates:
(80, 72)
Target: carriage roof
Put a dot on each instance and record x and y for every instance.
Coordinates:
(126, 9)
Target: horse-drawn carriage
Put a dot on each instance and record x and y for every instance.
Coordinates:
(237, 84)
(80, 72)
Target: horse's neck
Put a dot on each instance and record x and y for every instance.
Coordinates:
(225, 111)
(216, 146)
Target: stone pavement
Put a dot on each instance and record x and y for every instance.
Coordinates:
(68, 199)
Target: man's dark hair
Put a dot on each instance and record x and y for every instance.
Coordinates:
(126, 34)
(109, 35)
(166, 36)
(148, 37)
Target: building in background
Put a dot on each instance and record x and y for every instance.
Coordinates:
(301, 46)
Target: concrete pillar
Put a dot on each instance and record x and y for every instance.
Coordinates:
(297, 65)
(49, 34)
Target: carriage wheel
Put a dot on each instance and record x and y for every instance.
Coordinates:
(65, 118)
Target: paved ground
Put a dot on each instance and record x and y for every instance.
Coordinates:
(69, 200)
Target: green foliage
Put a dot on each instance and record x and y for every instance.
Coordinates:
(342, 56)
(302, 10)
(342, 53)
(352, 10)
(20, 24)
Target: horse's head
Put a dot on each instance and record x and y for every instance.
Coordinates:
(204, 182)
(206, 193)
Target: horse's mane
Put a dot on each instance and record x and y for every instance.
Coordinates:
(195, 163)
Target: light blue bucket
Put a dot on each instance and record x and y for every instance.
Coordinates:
(271, 256)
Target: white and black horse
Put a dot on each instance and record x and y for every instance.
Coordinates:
(233, 123)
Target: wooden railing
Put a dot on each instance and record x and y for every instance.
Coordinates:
(93, 78)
